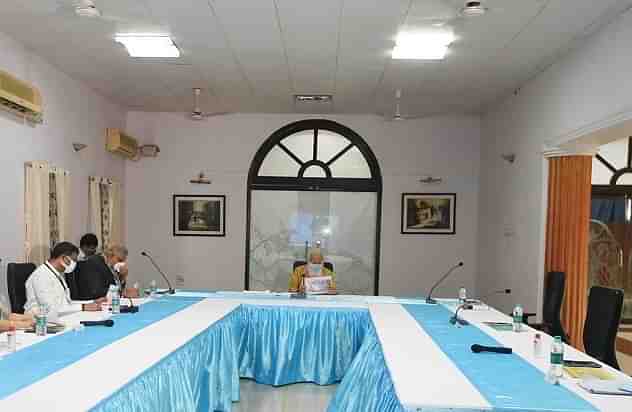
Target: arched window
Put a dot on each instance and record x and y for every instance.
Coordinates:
(314, 181)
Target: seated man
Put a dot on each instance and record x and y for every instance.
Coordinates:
(47, 285)
(88, 245)
(96, 274)
(314, 268)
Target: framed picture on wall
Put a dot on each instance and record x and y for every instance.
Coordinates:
(199, 215)
(428, 213)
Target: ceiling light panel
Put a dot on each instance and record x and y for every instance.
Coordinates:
(148, 45)
(423, 44)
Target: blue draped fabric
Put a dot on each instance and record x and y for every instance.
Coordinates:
(367, 385)
(507, 382)
(37, 361)
(200, 376)
(282, 345)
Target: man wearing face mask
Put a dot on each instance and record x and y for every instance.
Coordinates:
(314, 268)
(47, 285)
(98, 272)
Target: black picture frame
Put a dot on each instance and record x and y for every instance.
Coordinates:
(428, 214)
(199, 215)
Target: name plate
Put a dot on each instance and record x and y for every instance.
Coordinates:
(317, 285)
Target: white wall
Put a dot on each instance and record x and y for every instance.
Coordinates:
(589, 88)
(73, 113)
(224, 146)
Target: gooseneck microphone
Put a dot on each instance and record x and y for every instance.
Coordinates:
(171, 290)
(493, 349)
(455, 318)
(485, 296)
(429, 299)
(108, 322)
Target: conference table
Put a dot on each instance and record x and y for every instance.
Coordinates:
(187, 352)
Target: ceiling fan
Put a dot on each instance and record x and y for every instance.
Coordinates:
(85, 9)
(397, 114)
(197, 113)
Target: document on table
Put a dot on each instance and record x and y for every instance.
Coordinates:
(317, 285)
(607, 387)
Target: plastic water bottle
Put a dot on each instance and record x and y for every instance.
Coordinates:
(462, 295)
(152, 288)
(517, 318)
(116, 299)
(537, 345)
(557, 360)
(41, 320)
(11, 338)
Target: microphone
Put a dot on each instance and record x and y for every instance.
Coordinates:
(493, 349)
(429, 299)
(171, 290)
(108, 322)
(485, 296)
(455, 318)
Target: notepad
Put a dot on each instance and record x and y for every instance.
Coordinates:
(587, 373)
(607, 387)
(500, 326)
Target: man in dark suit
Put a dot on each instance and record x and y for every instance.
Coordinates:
(95, 274)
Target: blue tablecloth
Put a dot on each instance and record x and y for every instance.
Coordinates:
(37, 361)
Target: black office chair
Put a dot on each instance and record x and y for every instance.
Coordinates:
(602, 323)
(298, 263)
(17, 274)
(554, 285)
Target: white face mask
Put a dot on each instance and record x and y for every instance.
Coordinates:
(315, 268)
(70, 267)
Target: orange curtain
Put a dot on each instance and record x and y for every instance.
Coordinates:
(567, 236)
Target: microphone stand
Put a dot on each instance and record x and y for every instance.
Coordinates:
(171, 290)
(455, 319)
(429, 299)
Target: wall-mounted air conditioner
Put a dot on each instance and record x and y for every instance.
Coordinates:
(19, 97)
(121, 144)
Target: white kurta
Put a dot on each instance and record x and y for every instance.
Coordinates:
(47, 286)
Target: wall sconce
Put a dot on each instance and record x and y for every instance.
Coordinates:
(201, 179)
(509, 157)
(430, 180)
(77, 147)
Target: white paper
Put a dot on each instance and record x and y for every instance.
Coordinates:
(317, 285)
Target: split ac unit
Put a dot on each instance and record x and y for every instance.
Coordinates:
(121, 144)
(20, 97)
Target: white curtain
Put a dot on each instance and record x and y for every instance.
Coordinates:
(62, 192)
(36, 212)
(105, 210)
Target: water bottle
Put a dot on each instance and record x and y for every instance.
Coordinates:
(517, 318)
(557, 360)
(11, 338)
(152, 288)
(537, 345)
(41, 320)
(462, 295)
(116, 299)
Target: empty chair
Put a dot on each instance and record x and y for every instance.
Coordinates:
(554, 285)
(602, 324)
(17, 274)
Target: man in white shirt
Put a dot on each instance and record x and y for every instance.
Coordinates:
(47, 285)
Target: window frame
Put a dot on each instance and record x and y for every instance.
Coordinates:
(326, 184)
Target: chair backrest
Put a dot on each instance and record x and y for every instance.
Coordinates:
(298, 263)
(554, 285)
(602, 323)
(17, 274)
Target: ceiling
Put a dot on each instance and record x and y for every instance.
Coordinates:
(254, 55)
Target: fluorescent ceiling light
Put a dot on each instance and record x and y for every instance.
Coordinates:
(430, 44)
(148, 45)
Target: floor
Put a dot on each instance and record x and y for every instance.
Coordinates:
(303, 397)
